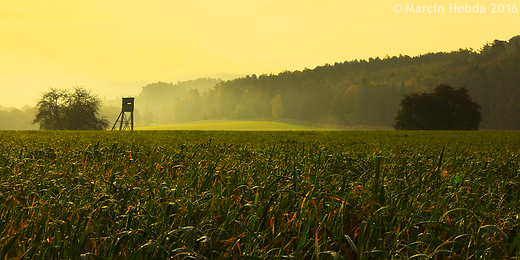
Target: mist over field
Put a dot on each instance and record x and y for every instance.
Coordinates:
(363, 93)
(313, 63)
(262, 129)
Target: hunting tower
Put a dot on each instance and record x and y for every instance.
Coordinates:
(126, 122)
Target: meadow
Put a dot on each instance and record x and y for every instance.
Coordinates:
(259, 195)
(228, 125)
(255, 125)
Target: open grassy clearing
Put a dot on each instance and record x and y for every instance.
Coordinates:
(226, 125)
(232, 125)
(265, 195)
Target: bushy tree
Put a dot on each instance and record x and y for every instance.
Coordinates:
(445, 108)
(60, 109)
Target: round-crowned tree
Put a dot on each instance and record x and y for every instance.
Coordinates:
(445, 108)
(61, 109)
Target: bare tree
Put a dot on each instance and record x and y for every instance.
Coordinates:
(60, 109)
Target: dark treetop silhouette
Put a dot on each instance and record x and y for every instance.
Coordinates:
(445, 108)
(61, 109)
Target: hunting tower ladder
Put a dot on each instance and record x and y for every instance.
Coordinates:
(126, 122)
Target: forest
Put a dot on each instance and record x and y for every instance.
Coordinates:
(362, 92)
(17, 119)
(358, 92)
(350, 93)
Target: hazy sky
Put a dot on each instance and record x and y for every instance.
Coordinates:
(115, 47)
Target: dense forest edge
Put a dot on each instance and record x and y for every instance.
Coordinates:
(350, 93)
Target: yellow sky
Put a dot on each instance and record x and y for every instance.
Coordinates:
(115, 47)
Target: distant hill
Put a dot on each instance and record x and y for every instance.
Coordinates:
(17, 119)
(155, 102)
(350, 94)
(157, 99)
(364, 92)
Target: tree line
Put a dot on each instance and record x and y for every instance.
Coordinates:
(366, 92)
(17, 119)
(358, 92)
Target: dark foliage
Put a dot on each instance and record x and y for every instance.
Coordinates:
(445, 108)
(60, 109)
(367, 92)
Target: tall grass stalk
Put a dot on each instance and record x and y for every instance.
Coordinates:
(259, 195)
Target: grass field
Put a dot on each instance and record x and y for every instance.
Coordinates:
(259, 195)
(227, 125)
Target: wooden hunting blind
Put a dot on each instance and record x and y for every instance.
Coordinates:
(126, 122)
(128, 104)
